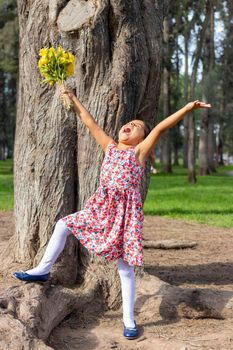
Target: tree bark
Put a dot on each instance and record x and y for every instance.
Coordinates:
(166, 137)
(191, 150)
(222, 116)
(117, 78)
(212, 149)
(26, 322)
(189, 26)
(169, 244)
(191, 118)
(211, 137)
(186, 91)
(203, 144)
(225, 120)
(3, 117)
(206, 141)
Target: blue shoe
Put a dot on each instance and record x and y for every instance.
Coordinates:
(23, 276)
(131, 333)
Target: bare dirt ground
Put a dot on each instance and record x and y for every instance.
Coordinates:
(209, 265)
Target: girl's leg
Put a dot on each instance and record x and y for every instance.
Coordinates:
(55, 247)
(126, 273)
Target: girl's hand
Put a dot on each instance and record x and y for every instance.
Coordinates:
(197, 104)
(64, 91)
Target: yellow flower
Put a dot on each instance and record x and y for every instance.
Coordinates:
(55, 64)
(43, 61)
(63, 60)
(70, 69)
(71, 57)
(60, 51)
(43, 51)
(66, 56)
(52, 52)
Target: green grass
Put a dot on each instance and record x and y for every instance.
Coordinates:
(209, 201)
(6, 185)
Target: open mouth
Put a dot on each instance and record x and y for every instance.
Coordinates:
(127, 129)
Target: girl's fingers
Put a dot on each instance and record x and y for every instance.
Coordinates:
(205, 105)
(64, 90)
(68, 92)
(199, 104)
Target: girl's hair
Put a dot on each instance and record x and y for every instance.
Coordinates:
(147, 129)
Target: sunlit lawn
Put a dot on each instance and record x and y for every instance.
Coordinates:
(209, 201)
(6, 185)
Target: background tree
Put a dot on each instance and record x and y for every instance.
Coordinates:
(165, 141)
(225, 140)
(207, 142)
(8, 75)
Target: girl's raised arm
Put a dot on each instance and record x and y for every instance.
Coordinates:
(146, 146)
(97, 132)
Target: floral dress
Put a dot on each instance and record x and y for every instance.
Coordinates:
(110, 225)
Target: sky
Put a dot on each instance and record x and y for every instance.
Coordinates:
(219, 36)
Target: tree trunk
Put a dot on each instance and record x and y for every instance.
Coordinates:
(3, 117)
(191, 118)
(176, 155)
(191, 149)
(211, 136)
(117, 47)
(226, 120)
(203, 144)
(221, 127)
(207, 142)
(166, 137)
(177, 141)
(186, 91)
(212, 147)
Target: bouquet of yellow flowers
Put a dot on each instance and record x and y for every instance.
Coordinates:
(55, 66)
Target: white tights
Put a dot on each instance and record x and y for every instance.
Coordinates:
(55, 247)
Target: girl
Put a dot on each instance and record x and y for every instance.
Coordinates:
(110, 225)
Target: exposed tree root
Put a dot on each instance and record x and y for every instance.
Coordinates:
(33, 310)
(169, 244)
(30, 312)
(171, 302)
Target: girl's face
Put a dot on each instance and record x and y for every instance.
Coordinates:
(132, 133)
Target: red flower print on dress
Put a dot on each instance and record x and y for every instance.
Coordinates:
(110, 224)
